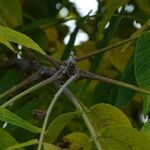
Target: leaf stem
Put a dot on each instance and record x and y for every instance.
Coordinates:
(55, 77)
(49, 110)
(77, 104)
(105, 49)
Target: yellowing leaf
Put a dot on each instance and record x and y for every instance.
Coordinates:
(10, 12)
(102, 115)
(48, 146)
(7, 116)
(77, 141)
(19, 38)
(118, 58)
(4, 41)
(123, 138)
(144, 5)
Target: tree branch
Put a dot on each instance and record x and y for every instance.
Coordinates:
(92, 76)
(105, 49)
(55, 77)
(53, 61)
(36, 76)
(49, 110)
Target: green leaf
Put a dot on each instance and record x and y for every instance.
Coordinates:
(57, 125)
(125, 95)
(146, 127)
(123, 138)
(10, 12)
(111, 8)
(78, 140)
(6, 140)
(25, 144)
(102, 115)
(7, 116)
(48, 146)
(19, 38)
(142, 67)
(4, 41)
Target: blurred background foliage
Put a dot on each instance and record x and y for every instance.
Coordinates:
(51, 24)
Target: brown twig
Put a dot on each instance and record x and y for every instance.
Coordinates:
(46, 82)
(36, 76)
(92, 76)
(53, 61)
(105, 49)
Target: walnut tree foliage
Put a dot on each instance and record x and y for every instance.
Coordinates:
(91, 96)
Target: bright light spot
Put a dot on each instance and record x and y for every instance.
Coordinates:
(129, 8)
(143, 119)
(58, 5)
(71, 24)
(66, 39)
(5, 125)
(119, 9)
(81, 37)
(64, 12)
(19, 55)
(85, 6)
(20, 47)
(107, 25)
(136, 24)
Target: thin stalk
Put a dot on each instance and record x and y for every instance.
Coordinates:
(29, 80)
(105, 49)
(25, 144)
(85, 118)
(92, 76)
(50, 108)
(55, 77)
